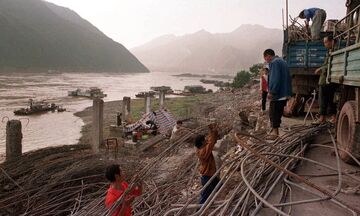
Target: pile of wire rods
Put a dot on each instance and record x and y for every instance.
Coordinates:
(263, 167)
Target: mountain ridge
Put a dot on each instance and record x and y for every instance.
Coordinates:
(38, 36)
(204, 52)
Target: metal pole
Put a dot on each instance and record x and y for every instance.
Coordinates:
(283, 19)
(287, 13)
(287, 20)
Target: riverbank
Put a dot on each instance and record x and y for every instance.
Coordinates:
(64, 179)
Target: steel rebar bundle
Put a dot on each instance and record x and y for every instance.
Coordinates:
(297, 31)
(249, 180)
(264, 167)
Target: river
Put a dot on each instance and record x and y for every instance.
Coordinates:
(52, 128)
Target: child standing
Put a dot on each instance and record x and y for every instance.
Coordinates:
(118, 185)
(264, 87)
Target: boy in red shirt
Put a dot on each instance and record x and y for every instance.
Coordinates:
(117, 188)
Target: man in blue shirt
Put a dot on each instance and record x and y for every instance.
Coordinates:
(279, 90)
(317, 16)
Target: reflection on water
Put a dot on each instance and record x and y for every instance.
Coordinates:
(53, 129)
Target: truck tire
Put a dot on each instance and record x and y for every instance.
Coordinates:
(348, 132)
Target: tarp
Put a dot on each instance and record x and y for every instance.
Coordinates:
(163, 119)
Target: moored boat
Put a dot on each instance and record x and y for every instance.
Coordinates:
(143, 94)
(36, 107)
(93, 92)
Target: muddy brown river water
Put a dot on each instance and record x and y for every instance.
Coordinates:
(51, 129)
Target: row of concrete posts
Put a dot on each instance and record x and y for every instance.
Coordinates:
(14, 129)
(98, 115)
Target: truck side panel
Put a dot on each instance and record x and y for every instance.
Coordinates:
(305, 55)
(344, 67)
(303, 58)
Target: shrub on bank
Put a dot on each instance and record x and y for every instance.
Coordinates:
(241, 79)
(255, 70)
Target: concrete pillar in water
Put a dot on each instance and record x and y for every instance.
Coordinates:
(126, 109)
(147, 103)
(162, 98)
(97, 124)
(13, 139)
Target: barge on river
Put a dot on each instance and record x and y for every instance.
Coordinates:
(93, 92)
(144, 94)
(37, 107)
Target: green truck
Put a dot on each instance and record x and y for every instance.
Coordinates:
(344, 70)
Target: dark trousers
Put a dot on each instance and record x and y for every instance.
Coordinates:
(263, 100)
(207, 191)
(276, 111)
(326, 99)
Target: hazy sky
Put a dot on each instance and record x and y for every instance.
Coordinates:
(134, 22)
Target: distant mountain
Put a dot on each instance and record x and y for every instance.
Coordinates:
(205, 52)
(37, 35)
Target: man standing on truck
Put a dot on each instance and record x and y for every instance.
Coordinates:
(318, 17)
(279, 90)
(326, 90)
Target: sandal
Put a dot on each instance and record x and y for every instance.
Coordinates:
(318, 122)
(332, 121)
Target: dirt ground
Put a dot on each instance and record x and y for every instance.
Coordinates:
(224, 107)
(323, 177)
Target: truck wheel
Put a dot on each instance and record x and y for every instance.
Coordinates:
(348, 132)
